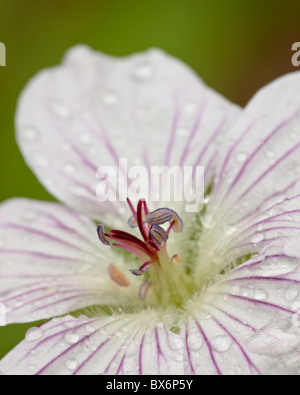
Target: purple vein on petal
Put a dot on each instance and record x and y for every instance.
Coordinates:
(56, 334)
(173, 130)
(253, 264)
(284, 192)
(263, 278)
(233, 318)
(91, 356)
(258, 149)
(229, 154)
(79, 343)
(60, 225)
(264, 174)
(218, 129)
(210, 350)
(250, 363)
(192, 134)
(41, 234)
(189, 359)
(39, 255)
(76, 296)
(262, 303)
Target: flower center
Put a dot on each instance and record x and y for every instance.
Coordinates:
(164, 274)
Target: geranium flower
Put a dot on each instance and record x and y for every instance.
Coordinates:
(211, 292)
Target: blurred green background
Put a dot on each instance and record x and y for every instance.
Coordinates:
(236, 46)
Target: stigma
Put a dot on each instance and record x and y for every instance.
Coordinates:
(150, 248)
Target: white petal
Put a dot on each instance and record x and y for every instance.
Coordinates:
(149, 109)
(51, 262)
(249, 322)
(124, 344)
(256, 195)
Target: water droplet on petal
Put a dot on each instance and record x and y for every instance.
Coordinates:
(68, 168)
(72, 364)
(291, 293)
(257, 238)
(143, 71)
(270, 154)
(189, 109)
(30, 134)
(259, 294)
(241, 157)
(29, 216)
(60, 110)
(33, 334)
(109, 98)
(222, 343)
(71, 337)
(176, 342)
(230, 230)
(40, 160)
(293, 135)
(182, 132)
(194, 341)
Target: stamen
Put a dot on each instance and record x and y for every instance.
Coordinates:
(144, 288)
(152, 245)
(132, 222)
(176, 259)
(117, 276)
(139, 272)
(143, 269)
(162, 215)
(178, 224)
(159, 234)
(170, 283)
(159, 216)
(101, 234)
(141, 218)
(170, 227)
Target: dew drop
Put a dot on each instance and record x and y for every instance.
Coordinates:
(33, 334)
(195, 341)
(72, 364)
(189, 109)
(291, 293)
(143, 71)
(270, 154)
(176, 342)
(293, 135)
(71, 337)
(29, 216)
(68, 168)
(90, 329)
(60, 110)
(259, 294)
(222, 343)
(182, 132)
(30, 134)
(40, 160)
(241, 157)
(109, 98)
(230, 230)
(257, 238)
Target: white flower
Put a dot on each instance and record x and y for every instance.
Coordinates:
(232, 306)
